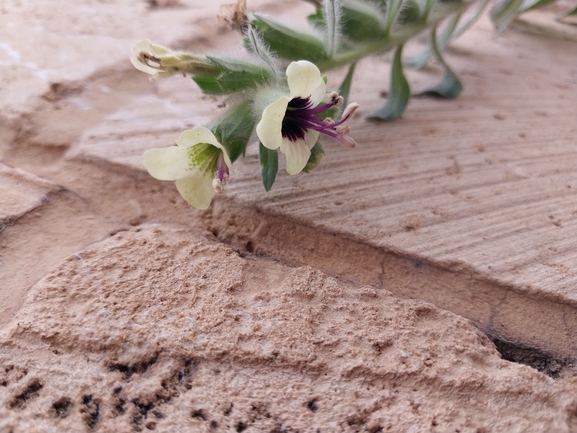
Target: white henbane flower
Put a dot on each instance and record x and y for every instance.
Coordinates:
(199, 164)
(292, 123)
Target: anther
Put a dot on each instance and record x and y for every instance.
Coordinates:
(347, 141)
(333, 98)
(343, 129)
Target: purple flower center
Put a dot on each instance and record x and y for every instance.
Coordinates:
(301, 116)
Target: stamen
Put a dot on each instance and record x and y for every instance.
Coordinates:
(318, 109)
(218, 186)
(150, 61)
(333, 97)
(335, 100)
(221, 171)
(350, 110)
(347, 141)
(301, 117)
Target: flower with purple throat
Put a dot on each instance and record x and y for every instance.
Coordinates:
(199, 164)
(294, 123)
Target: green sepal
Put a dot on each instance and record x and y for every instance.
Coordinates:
(317, 153)
(269, 164)
(503, 12)
(449, 86)
(234, 128)
(231, 76)
(289, 44)
(399, 92)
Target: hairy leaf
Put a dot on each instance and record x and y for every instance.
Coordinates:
(234, 128)
(449, 86)
(269, 164)
(399, 92)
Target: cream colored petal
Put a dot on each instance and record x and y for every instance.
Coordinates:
(201, 134)
(167, 163)
(297, 155)
(269, 129)
(304, 80)
(196, 188)
(319, 94)
(311, 138)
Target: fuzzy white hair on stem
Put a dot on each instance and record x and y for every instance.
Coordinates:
(262, 51)
(333, 16)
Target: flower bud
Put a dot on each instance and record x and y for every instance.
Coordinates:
(160, 62)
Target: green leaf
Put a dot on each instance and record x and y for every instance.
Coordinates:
(449, 33)
(289, 44)
(269, 163)
(234, 128)
(361, 22)
(232, 76)
(393, 7)
(427, 9)
(527, 5)
(317, 153)
(399, 92)
(503, 12)
(449, 86)
(421, 59)
(410, 13)
(345, 88)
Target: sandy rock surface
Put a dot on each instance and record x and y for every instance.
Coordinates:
(122, 309)
(160, 328)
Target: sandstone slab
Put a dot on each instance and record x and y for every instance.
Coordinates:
(159, 328)
(466, 204)
(40, 224)
(21, 192)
